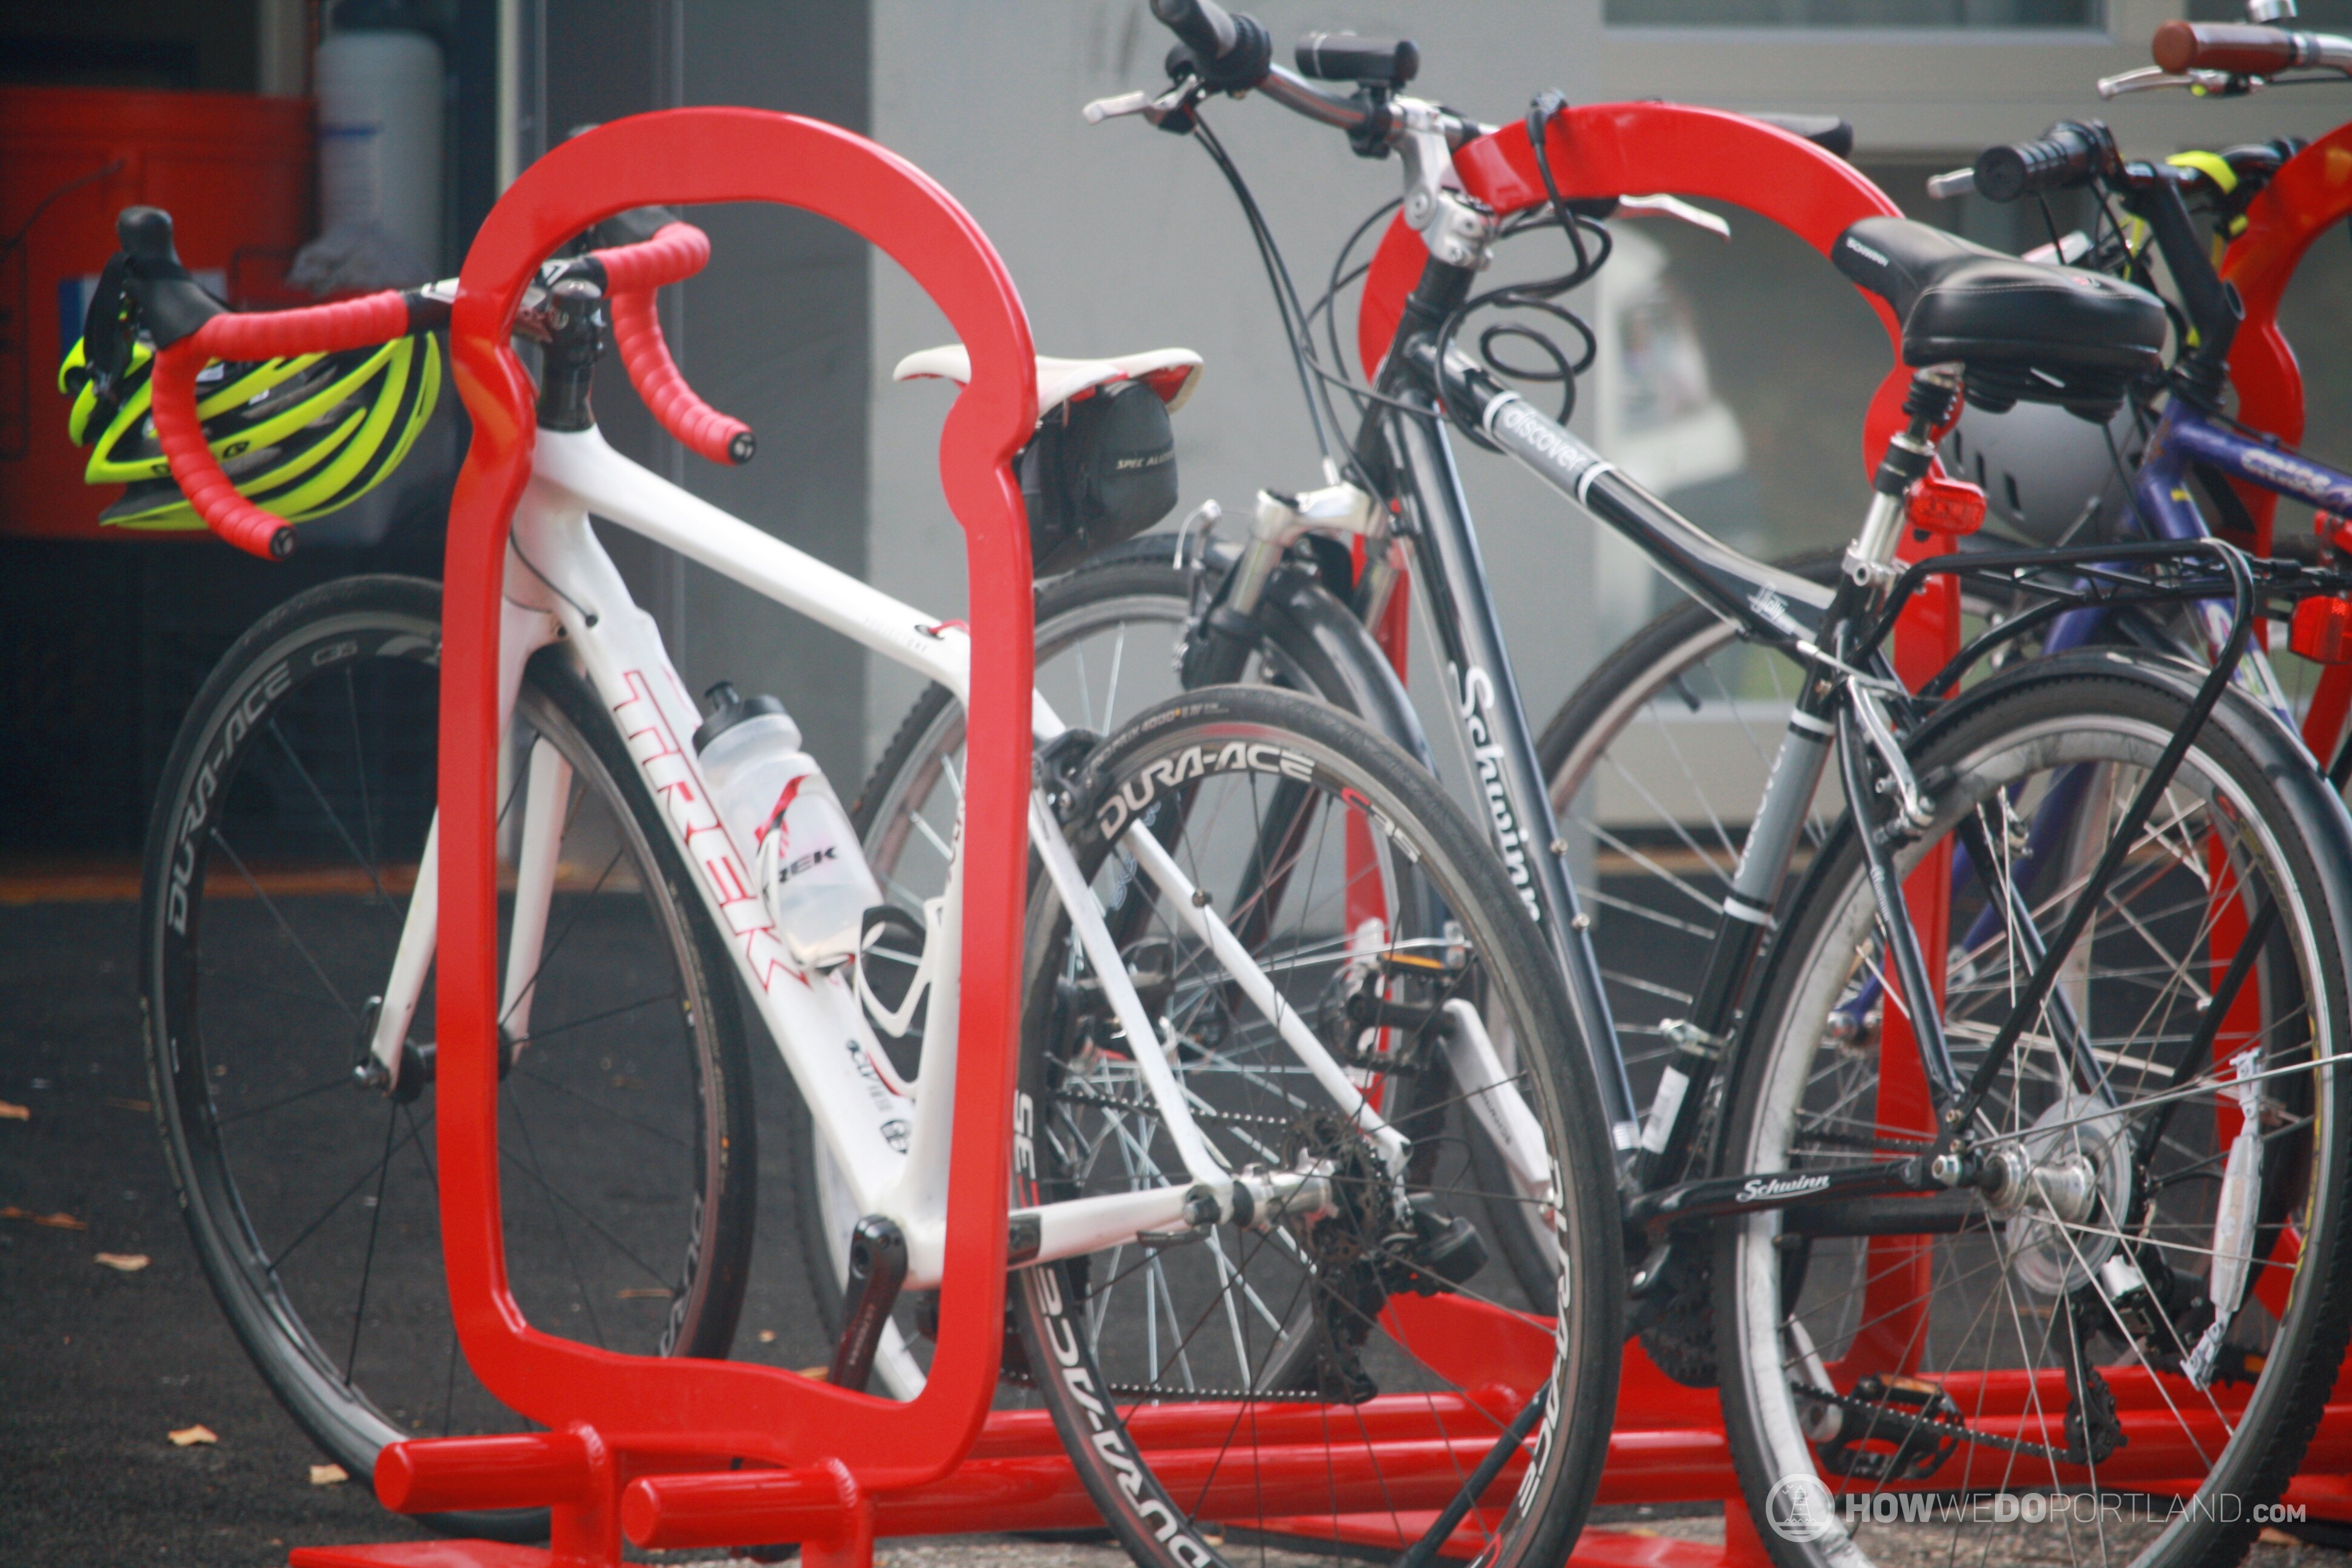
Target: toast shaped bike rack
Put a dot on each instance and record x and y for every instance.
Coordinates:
(646, 1435)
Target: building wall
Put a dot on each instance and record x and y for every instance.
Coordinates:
(774, 330)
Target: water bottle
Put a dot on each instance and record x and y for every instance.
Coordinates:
(772, 796)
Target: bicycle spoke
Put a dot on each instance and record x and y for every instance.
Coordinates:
(300, 946)
(375, 1227)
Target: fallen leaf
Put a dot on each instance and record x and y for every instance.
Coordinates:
(819, 1373)
(9, 1112)
(646, 1293)
(767, 1336)
(140, 1106)
(122, 1262)
(328, 1474)
(59, 1221)
(196, 1433)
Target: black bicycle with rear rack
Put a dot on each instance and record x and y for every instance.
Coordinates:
(2037, 1190)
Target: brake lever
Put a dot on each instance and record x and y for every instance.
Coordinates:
(1158, 110)
(2148, 79)
(1676, 208)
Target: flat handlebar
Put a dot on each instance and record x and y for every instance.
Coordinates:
(630, 274)
(1230, 53)
(1233, 52)
(2243, 50)
(2067, 156)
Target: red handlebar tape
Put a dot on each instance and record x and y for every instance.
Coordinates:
(632, 273)
(319, 329)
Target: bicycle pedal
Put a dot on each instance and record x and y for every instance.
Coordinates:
(1922, 1429)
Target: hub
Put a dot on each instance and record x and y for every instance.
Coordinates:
(2062, 1191)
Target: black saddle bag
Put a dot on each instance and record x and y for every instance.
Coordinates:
(1102, 469)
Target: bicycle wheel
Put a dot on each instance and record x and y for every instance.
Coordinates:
(1286, 1360)
(1654, 765)
(287, 838)
(1108, 638)
(2145, 1293)
(1656, 762)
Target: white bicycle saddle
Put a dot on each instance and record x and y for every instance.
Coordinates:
(1171, 372)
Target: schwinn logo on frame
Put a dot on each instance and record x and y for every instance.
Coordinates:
(1476, 703)
(1760, 1189)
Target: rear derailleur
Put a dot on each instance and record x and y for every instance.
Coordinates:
(1364, 1247)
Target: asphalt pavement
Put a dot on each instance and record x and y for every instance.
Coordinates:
(98, 1366)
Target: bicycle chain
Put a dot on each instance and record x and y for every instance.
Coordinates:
(1200, 1112)
(1022, 1377)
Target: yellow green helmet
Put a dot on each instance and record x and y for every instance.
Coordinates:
(300, 436)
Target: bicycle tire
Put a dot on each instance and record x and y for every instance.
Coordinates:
(1090, 1332)
(1312, 644)
(336, 834)
(2245, 798)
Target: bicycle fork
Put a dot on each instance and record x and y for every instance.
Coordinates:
(386, 1056)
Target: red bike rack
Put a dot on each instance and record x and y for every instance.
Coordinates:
(2309, 197)
(1668, 1445)
(661, 1443)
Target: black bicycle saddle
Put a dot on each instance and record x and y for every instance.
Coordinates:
(2025, 331)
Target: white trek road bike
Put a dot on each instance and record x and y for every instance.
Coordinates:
(1253, 1217)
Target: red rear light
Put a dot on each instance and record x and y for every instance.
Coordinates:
(1945, 506)
(1172, 382)
(2322, 630)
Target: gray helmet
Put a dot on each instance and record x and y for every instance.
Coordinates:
(2047, 474)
